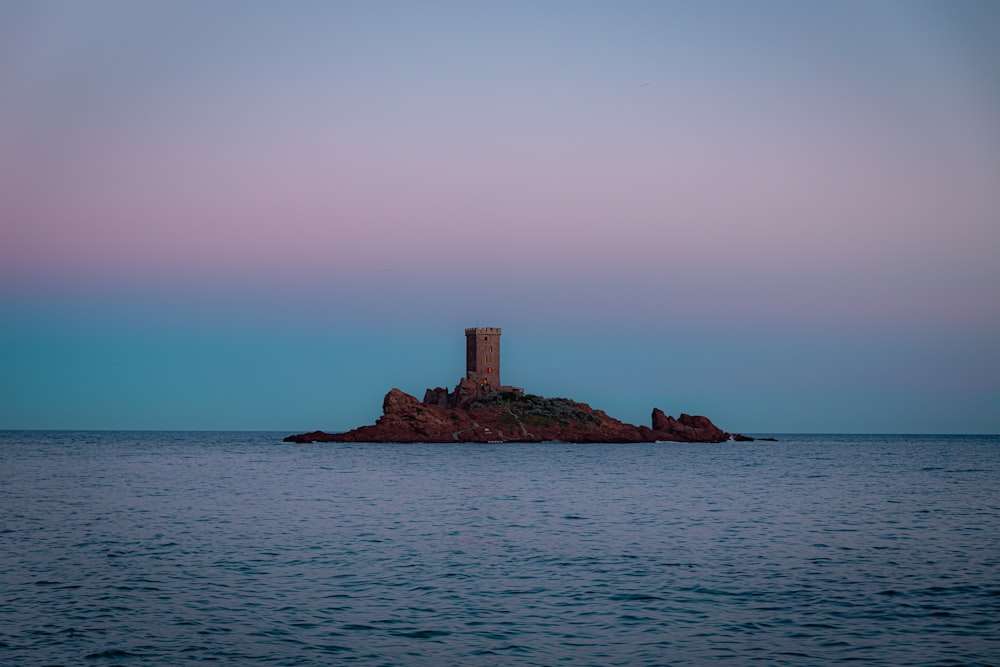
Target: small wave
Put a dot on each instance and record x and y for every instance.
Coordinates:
(510, 648)
(358, 626)
(110, 653)
(635, 597)
(333, 648)
(423, 634)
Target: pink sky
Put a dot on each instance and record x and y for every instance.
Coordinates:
(667, 166)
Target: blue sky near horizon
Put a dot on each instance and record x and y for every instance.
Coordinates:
(782, 215)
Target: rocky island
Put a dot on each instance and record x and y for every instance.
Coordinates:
(480, 409)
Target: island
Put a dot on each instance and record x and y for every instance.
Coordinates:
(481, 409)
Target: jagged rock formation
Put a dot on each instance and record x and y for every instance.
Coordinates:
(470, 414)
(688, 428)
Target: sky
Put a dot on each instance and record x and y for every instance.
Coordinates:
(261, 215)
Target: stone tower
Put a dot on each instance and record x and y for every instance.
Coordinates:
(482, 356)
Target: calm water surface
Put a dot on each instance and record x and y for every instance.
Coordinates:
(174, 548)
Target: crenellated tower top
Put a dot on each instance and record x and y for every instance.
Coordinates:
(484, 331)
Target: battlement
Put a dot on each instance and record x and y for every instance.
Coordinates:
(485, 331)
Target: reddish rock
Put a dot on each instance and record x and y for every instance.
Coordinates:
(686, 429)
(660, 421)
(436, 396)
(471, 415)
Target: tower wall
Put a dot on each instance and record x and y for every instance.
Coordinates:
(482, 356)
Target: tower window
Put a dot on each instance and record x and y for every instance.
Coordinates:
(489, 371)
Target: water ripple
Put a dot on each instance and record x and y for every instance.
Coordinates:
(167, 548)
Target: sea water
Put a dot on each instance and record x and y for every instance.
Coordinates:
(175, 548)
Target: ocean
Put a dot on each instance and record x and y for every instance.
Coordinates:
(168, 548)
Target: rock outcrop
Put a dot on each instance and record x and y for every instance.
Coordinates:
(470, 415)
(739, 437)
(687, 428)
